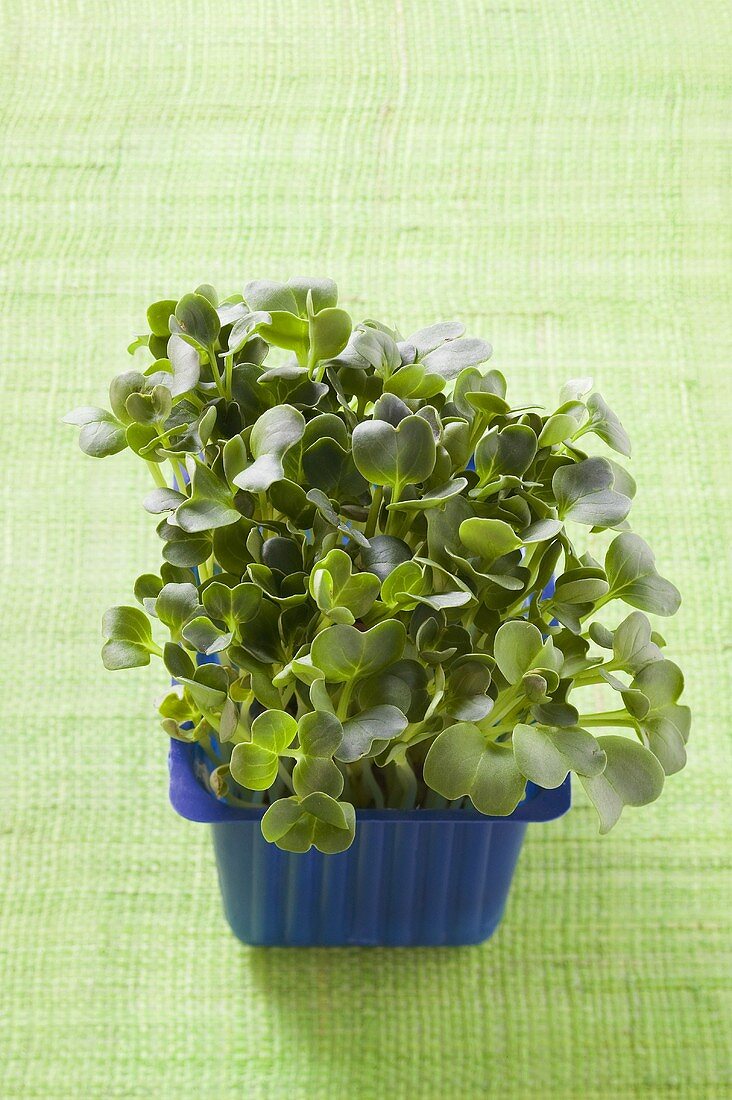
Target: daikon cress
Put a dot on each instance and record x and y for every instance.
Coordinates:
(382, 585)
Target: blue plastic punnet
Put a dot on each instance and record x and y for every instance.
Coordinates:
(410, 878)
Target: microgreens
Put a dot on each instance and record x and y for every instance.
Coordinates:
(371, 593)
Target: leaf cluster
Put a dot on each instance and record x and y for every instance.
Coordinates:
(372, 590)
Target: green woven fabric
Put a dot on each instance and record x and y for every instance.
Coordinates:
(556, 175)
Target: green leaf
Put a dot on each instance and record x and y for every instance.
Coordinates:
(209, 686)
(546, 756)
(286, 331)
(129, 638)
(346, 653)
(435, 498)
(245, 327)
(635, 702)
(632, 777)
(274, 433)
(461, 761)
(583, 585)
(488, 538)
(472, 381)
(425, 340)
(147, 587)
(150, 408)
(175, 605)
(381, 723)
(264, 294)
(443, 600)
(235, 606)
(575, 389)
(186, 550)
(402, 585)
(394, 456)
(517, 648)
(665, 727)
(276, 430)
(320, 733)
(197, 319)
(466, 696)
(177, 662)
(316, 774)
(291, 500)
(557, 428)
(323, 293)
(254, 763)
(253, 766)
(605, 424)
(162, 500)
(204, 636)
(211, 503)
(633, 647)
(384, 554)
(379, 349)
(584, 493)
(329, 333)
(325, 508)
(335, 589)
(158, 317)
(296, 825)
(541, 530)
(412, 382)
(101, 433)
(633, 577)
(450, 358)
(120, 388)
(329, 467)
(510, 451)
(186, 364)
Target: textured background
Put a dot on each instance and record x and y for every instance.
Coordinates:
(557, 175)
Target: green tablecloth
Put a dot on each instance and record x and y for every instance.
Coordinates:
(554, 174)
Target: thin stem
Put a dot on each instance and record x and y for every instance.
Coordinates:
(285, 776)
(508, 718)
(179, 476)
(345, 699)
(592, 675)
(434, 801)
(242, 804)
(408, 783)
(362, 771)
(393, 518)
(374, 511)
(229, 371)
(606, 718)
(499, 712)
(157, 473)
(205, 742)
(213, 360)
(596, 606)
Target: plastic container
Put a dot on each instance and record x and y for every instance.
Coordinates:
(410, 878)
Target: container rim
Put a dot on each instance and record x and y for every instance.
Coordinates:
(190, 799)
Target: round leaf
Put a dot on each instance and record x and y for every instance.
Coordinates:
(346, 653)
(386, 455)
(633, 577)
(546, 756)
(462, 762)
(632, 777)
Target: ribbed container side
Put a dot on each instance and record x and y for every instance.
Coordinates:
(410, 878)
(401, 884)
